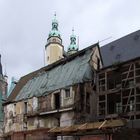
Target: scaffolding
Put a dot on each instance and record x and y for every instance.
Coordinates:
(118, 90)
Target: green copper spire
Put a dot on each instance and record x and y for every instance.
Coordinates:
(54, 31)
(72, 47)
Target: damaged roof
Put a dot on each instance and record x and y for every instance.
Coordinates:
(63, 73)
(121, 50)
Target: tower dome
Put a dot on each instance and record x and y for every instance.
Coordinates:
(54, 31)
(73, 47)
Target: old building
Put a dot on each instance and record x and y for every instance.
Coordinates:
(87, 94)
(58, 95)
(3, 96)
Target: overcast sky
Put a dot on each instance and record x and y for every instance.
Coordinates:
(25, 24)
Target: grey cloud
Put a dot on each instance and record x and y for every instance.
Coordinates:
(24, 27)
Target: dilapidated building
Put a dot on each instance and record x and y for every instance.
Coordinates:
(58, 95)
(87, 94)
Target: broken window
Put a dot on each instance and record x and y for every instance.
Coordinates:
(111, 104)
(114, 103)
(57, 100)
(128, 100)
(25, 107)
(102, 82)
(102, 105)
(113, 79)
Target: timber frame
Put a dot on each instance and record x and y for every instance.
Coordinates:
(118, 89)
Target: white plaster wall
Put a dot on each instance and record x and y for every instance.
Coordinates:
(66, 119)
(9, 109)
(67, 101)
(49, 122)
(94, 58)
(35, 103)
(8, 122)
(54, 51)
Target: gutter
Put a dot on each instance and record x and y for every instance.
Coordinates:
(56, 111)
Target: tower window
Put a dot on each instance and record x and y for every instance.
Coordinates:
(25, 107)
(48, 58)
(54, 40)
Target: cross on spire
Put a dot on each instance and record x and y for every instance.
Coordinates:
(73, 30)
(55, 14)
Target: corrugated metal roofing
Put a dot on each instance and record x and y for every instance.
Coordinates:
(75, 71)
(121, 50)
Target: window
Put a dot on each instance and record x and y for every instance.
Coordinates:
(54, 40)
(25, 107)
(88, 102)
(48, 58)
(118, 107)
(57, 100)
(14, 109)
(67, 93)
(98, 63)
(25, 125)
(131, 106)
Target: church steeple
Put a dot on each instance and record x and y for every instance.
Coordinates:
(0, 66)
(72, 48)
(54, 48)
(54, 31)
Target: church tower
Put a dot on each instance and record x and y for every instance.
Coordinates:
(73, 48)
(54, 48)
(3, 84)
(3, 93)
